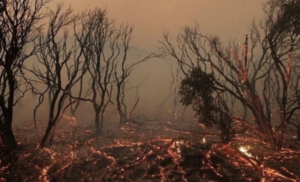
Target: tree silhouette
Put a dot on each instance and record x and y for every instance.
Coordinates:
(20, 26)
(256, 73)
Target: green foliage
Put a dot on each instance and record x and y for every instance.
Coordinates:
(197, 90)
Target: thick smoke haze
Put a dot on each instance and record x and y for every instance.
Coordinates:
(229, 19)
(149, 90)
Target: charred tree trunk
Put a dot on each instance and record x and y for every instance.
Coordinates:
(258, 111)
(271, 140)
(19, 27)
(266, 127)
(7, 138)
(118, 99)
(122, 118)
(97, 122)
(45, 137)
(102, 118)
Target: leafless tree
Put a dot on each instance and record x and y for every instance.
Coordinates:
(55, 58)
(20, 26)
(122, 73)
(106, 49)
(283, 37)
(256, 73)
(293, 102)
(102, 51)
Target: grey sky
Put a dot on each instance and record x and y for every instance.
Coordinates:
(226, 18)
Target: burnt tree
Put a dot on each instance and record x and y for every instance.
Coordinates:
(256, 73)
(101, 49)
(55, 58)
(122, 73)
(20, 26)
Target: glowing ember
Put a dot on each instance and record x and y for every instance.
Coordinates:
(179, 143)
(43, 175)
(245, 149)
(166, 153)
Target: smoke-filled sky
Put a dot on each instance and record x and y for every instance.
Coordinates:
(226, 18)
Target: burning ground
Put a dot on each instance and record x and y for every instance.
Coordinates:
(148, 151)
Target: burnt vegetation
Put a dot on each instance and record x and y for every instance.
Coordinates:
(230, 112)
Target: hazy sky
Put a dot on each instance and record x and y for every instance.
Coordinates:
(226, 18)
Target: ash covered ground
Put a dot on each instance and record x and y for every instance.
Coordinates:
(146, 151)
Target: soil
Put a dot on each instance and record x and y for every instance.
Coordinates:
(146, 152)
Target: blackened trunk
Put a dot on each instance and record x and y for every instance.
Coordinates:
(46, 135)
(8, 139)
(267, 130)
(122, 120)
(6, 133)
(270, 137)
(101, 120)
(272, 142)
(122, 117)
(97, 123)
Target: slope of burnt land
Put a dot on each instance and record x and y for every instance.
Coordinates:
(147, 152)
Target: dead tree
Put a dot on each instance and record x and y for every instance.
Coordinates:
(257, 74)
(283, 38)
(122, 73)
(102, 51)
(54, 58)
(19, 27)
(293, 102)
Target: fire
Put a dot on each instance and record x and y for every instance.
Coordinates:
(245, 149)
(43, 176)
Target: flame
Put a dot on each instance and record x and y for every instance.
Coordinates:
(245, 149)
(43, 176)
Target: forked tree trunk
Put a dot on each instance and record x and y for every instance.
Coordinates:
(261, 120)
(46, 135)
(267, 129)
(271, 140)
